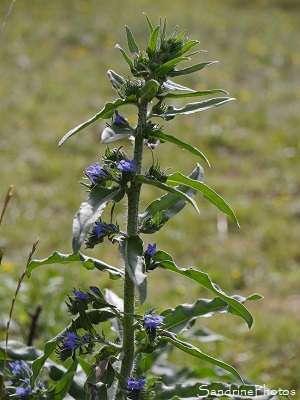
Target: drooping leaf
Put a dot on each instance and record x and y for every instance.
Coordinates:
(194, 351)
(106, 113)
(209, 193)
(169, 65)
(191, 108)
(164, 260)
(66, 259)
(185, 146)
(167, 188)
(91, 210)
(148, 91)
(116, 80)
(132, 45)
(169, 205)
(131, 249)
(192, 69)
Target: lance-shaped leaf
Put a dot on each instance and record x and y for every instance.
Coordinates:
(114, 132)
(209, 193)
(66, 259)
(124, 54)
(152, 45)
(60, 389)
(91, 210)
(167, 188)
(185, 146)
(191, 94)
(148, 91)
(116, 80)
(192, 69)
(169, 65)
(149, 23)
(169, 204)
(191, 108)
(165, 261)
(131, 249)
(170, 85)
(194, 351)
(106, 113)
(95, 316)
(132, 45)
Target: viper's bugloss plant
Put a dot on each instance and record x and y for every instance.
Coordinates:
(128, 360)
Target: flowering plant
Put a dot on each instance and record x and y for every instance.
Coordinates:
(128, 360)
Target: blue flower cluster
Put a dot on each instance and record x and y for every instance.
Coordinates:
(104, 229)
(136, 385)
(127, 166)
(151, 250)
(72, 341)
(21, 373)
(95, 171)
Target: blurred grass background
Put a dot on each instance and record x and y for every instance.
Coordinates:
(54, 58)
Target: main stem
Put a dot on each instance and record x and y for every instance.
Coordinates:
(132, 229)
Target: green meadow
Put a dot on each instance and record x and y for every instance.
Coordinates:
(54, 58)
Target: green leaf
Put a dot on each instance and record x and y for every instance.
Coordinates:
(148, 91)
(192, 69)
(169, 204)
(106, 112)
(131, 249)
(152, 45)
(149, 23)
(127, 59)
(186, 46)
(167, 188)
(165, 261)
(113, 132)
(91, 210)
(18, 351)
(191, 108)
(179, 319)
(209, 193)
(95, 316)
(170, 85)
(169, 65)
(133, 47)
(116, 80)
(60, 390)
(168, 138)
(191, 94)
(194, 351)
(66, 259)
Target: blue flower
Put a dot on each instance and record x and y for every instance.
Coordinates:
(95, 290)
(126, 166)
(80, 295)
(25, 391)
(151, 250)
(133, 384)
(73, 341)
(20, 367)
(103, 229)
(119, 120)
(95, 171)
(151, 322)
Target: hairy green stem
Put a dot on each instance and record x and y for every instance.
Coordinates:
(132, 229)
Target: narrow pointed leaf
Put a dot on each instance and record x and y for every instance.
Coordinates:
(192, 94)
(185, 146)
(116, 80)
(106, 112)
(149, 90)
(170, 204)
(165, 261)
(131, 249)
(133, 47)
(152, 45)
(186, 47)
(60, 390)
(167, 188)
(91, 210)
(66, 259)
(192, 69)
(169, 65)
(191, 108)
(123, 52)
(194, 351)
(170, 85)
(209, 193)
(149, 23)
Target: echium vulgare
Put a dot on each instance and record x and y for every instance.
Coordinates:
(128, 360)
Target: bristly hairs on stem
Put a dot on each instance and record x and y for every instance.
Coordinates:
(34, 246)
